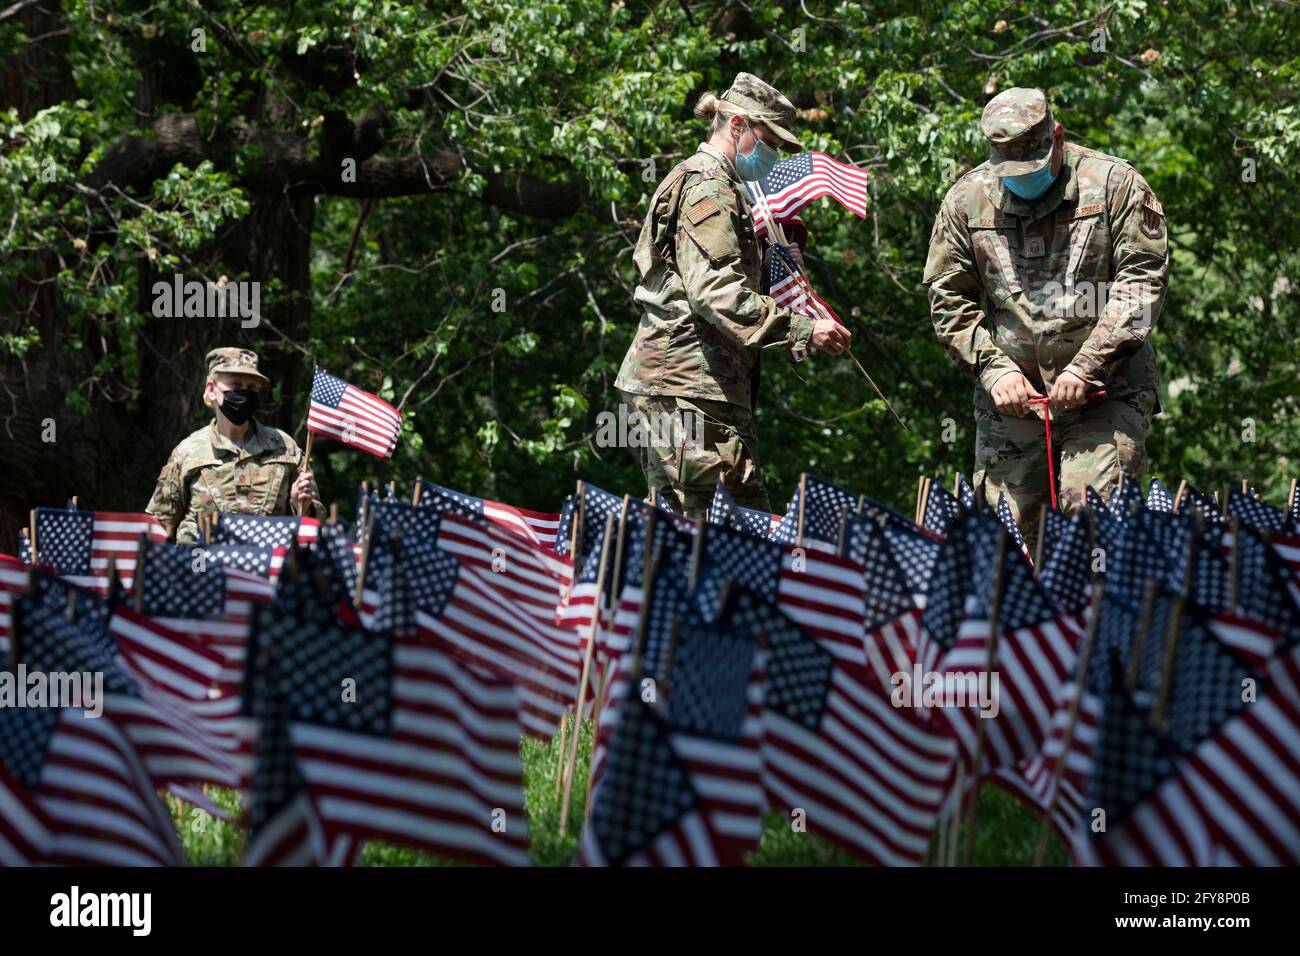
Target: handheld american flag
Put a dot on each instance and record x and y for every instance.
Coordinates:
(795, 182)
(354, 417)
(791, 291)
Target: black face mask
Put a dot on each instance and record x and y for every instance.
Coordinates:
(240, 404)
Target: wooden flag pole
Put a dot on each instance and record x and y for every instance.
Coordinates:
(1234, 566)
(876, 388)
(958, 801)
(306, 452)
(1290, 497)
(597, 707)
(1042, 539)
(581, 702)
(697, 552)
(1245, 486)
(559, 754)
(1178, 495)
(1067, 737)
(365, 559)
(916, 505)
(616, 590)
(1171, 639)
(415, 492)
(803, 500)
(74, 502)
(925, 501)
(32, 539)
(862, 503)
(990, 661)
(1138, 644)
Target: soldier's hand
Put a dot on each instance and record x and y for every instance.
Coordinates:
(830, 337)
(1011, 394)
(300, 493)
(1069, 391)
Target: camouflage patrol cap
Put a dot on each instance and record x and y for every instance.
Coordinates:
(763, 102)
(240, 361)
(1018, 125)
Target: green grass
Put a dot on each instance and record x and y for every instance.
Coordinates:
(1005, 834)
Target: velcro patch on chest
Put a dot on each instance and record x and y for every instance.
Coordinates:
(702, 210)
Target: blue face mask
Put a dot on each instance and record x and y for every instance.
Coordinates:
(1031, 185)
(758, 162)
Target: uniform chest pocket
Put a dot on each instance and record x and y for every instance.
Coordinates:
(996, 257)
(272, 480)
(1088, 255)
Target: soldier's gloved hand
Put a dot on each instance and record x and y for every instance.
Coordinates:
(1011, 394)
(1069, 391)
(300, 494)
(830, 337)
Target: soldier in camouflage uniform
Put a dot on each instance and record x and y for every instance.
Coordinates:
(705, 317)
(1047, 270)
(236, 464)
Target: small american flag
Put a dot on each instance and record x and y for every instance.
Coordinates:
(1067, 569)
(683, 781)
(428, 754)
(871, 776)
(1013, 530)
(965, 493)
(941, 510)
(1127, 500)
(84, 772)
(1035, 653)
(1255, 514)
(823, 511)
(265, 531)
(1158, 496)
(788, 288)
(794, 183)
(63, 540)
(25, 836)
(178, 582)
(537, 526)
(354, 417)
(247, 557)
(724, 510)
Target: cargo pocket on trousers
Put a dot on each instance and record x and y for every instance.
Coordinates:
(1130, 457)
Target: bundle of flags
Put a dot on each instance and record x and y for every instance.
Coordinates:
(859, 672)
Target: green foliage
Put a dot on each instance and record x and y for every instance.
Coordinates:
(501, 334)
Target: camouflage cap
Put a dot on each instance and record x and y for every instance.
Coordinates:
(762, 102)
(1018, 125)
(240, 361)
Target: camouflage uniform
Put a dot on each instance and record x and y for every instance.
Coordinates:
(209, 472)
(705, 319)
(1073, 280)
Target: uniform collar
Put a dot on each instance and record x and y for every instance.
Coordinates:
(1064, 189)
(721, 157)
(257, 442)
